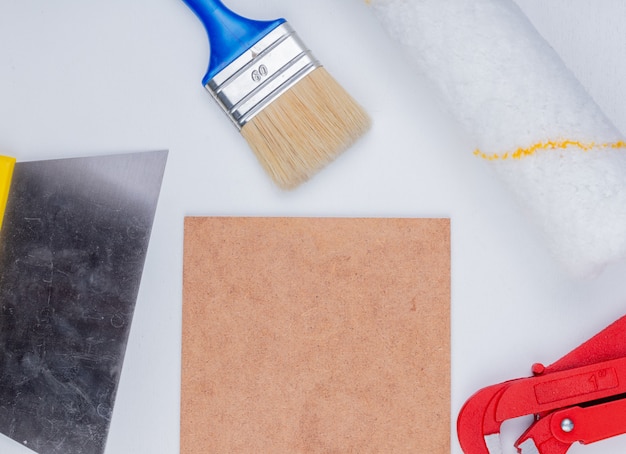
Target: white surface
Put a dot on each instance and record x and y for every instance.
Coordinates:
(82, 78)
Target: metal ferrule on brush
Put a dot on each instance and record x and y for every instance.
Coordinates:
(261, 74)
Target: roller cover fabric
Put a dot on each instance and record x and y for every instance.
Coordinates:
(531, 120)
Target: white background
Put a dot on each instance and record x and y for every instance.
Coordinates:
(87, 78)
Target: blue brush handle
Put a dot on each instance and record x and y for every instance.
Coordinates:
(230, 34)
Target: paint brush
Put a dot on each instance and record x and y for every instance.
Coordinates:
(294, 115)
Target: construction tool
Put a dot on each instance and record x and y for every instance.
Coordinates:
(580, 398)
(72, 248)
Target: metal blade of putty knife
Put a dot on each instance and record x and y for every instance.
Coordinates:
(72, 250)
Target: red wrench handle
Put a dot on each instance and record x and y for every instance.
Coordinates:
(610, 343)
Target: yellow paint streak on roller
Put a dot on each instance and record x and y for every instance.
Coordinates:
(6, 172)
(549, 145)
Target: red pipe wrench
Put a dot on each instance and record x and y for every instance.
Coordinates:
(580, 398)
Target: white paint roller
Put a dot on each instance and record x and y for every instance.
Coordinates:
(531, 119)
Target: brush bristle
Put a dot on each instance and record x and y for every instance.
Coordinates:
(305, 128)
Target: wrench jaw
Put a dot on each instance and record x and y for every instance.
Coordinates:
(478, 429)
(540, 439)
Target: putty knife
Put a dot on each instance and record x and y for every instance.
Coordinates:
(72, 248)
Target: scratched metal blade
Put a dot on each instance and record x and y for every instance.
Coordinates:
(72, 250)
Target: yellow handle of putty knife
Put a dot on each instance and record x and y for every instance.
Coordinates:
(6, 172)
